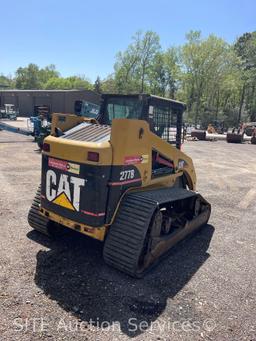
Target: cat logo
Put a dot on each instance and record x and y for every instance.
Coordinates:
(65, 192)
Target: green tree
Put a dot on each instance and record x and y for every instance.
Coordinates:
(164, 74)
(6, 82)
(97, 85)
(245, 48)
(158, 75)
(79, 82)
(48, 72)
(173, 71)
(149, 47)
(55, 83)
(28, 77)
(133, 66)
(205, 64)
(109, 84)
(32, 77)
(74, 82)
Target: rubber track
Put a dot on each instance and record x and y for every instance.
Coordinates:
(35, 219)
(125, 239)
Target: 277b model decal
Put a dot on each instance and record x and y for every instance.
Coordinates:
(127, 174)
(126, 177)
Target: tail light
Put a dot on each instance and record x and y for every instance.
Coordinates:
(93, 156)
(46, 147)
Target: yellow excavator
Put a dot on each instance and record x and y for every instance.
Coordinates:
(121, 178)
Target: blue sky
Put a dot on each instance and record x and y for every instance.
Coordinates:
(83, 37)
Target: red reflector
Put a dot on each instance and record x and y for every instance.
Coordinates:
(46, 147)
(93, 156)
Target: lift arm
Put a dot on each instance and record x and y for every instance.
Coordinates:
(7, 127)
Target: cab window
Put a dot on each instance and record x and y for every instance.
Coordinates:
(130, 108)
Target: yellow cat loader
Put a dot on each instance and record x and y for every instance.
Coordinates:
(121, 179)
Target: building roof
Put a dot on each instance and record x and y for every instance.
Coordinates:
(70, 90)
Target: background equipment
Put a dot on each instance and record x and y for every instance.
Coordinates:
(199, 134)
(216, 127)
(235, 136)
(12, 129)
(249, 128)
(253, 138)
(121, 179)
(86, 109)
(9, 112)
(40, 123)
(243, 133)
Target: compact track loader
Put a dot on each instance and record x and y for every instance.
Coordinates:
(122, 179)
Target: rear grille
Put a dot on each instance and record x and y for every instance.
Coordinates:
(89, 132)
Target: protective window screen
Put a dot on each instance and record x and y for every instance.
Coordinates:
(165, 122)
(124, 108)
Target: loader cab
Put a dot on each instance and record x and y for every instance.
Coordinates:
(164, 116)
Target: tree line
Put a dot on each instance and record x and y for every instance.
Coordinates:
(48, 78)
(215, 79)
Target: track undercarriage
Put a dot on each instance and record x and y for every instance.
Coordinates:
(35, 219)
(149, 223)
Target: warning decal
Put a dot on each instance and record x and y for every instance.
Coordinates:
(132, 160)
(64, 165)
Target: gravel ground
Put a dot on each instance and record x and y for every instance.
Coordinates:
(62, 290)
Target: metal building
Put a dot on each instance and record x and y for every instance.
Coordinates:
(57, 100)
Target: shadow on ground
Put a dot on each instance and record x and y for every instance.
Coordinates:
(74, 274)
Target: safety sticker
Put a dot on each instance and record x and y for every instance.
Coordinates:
(64, 165)
(132, 160)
